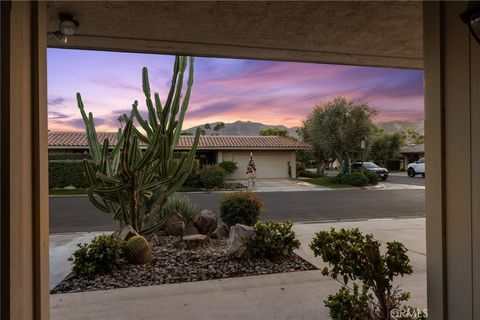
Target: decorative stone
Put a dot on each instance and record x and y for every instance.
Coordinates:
(239, 233)
(221, 232)
(189, 230)
(175, 224)
(206, 221)
(124, 233)
(195, 241)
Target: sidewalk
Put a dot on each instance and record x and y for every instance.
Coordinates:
(297, 295)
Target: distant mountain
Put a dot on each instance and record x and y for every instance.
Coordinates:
(397, 126)
(243, 128)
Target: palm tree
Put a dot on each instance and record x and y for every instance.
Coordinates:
(219, 126)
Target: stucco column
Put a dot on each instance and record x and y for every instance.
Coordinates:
(452, 122)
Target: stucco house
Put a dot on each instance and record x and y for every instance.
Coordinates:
(412, 153)
(273, 155)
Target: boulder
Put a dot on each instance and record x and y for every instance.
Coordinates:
(124, 233)
(174, 224)
(221, 232)
(206, 222)
(189, 230)
(239, 233)
(195, 241)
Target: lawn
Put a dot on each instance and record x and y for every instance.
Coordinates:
(324, 182)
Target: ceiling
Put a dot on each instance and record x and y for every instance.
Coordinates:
(387, 34)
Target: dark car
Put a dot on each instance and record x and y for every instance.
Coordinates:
(382, 173)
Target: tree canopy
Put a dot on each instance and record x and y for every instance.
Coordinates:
(273, 132)
(335, 129)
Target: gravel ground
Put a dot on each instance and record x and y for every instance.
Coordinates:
(172, 265)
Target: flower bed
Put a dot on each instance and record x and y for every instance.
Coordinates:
(173, 265)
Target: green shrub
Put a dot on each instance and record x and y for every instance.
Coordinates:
(193, 180)
(240, 207)
(68, 156)
(353, 256)
(309, 174)
(62, 173)
(181, 204)
(229, 166)
(272, 239)
(300, 169)
(104, 254)
(356, 179)
(372, 176)
(394, 164)
(212, 177)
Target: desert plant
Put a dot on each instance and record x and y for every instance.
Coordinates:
(181, 204)
(104, 254)
(240, 207)
(272, 239)
(229, 166)
(133, 183)
(138, 250)
(212, 177)
(355, 256)
(356, 179)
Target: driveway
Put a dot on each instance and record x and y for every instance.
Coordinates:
(77, 214)
(289, 185)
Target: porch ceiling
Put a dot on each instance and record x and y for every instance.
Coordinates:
(358, 33)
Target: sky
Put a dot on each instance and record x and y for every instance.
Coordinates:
(270, 92)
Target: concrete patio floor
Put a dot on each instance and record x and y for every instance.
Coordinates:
(296, 295)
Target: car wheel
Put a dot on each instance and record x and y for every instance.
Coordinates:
(384, 178)
(411, 173)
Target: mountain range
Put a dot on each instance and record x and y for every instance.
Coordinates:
(249, 128)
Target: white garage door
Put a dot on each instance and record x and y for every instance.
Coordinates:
(269, 164)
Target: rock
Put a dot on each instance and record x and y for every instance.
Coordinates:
(195, 241)
(175, 224)
(189, 230)
(125, 233)
(239, 233)
(206, 222)
(220, 233)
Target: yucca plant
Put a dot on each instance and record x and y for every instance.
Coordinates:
(133, 179)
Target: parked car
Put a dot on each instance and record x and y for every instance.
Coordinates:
(417, 167)
(382, 173)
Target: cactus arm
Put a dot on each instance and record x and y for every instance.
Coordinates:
(140, 119)
(178, 92)
(97, 203)
(185, 102)
(168, 103)
(158, 105)
(146, 90)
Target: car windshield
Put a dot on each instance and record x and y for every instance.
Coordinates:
(370, 165)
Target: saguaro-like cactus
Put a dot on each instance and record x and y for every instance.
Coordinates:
(133, 179)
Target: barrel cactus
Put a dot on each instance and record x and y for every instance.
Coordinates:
(132, 177)
(138, 250)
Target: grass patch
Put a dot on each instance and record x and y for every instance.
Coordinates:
(66, 192)
(324, 182)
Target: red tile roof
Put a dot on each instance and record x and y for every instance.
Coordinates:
(78, 140)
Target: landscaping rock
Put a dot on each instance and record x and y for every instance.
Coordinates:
(189, 230)
(175, 224)
(195, 241)
(239, 233)
(172, 265)
(125, 233)
(206, 221)
(221, 232)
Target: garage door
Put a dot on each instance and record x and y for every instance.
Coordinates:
(269, 164)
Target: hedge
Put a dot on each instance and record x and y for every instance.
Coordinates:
(68, 156)
(62, 173)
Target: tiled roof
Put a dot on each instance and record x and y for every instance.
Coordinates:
(414, 148)
(78, 140)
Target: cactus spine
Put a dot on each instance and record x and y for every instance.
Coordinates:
(138, 250)
(133, 183)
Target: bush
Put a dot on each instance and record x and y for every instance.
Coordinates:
(335, 179)
(193, 180)
(356, 179)
(240, 207)
(68, 156)
(212, 177)
(394, 164)
(272, 239)
(62, 173)
(371, 176)
(229, 166)
(300, 169)
(353, 256)
(104, 254)
(309, 174)
(181, 204)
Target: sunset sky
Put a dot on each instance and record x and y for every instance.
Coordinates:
(225, 90)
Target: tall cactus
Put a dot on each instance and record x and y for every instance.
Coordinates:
(133, 179)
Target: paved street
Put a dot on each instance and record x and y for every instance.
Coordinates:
(76, 214)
